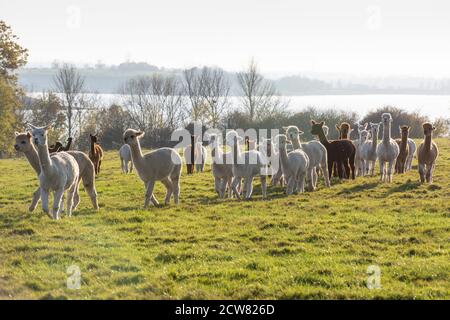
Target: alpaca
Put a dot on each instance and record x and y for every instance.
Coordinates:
(400, 164)
(87, 175)
(246, 165)
(387, 150)
(221, 168)
(340, 151)
(412, 151)
(197, 158)
(368, 150)
(295, 166)
(125, 158)
(277, 177)
(358, 160)
(163, 165)
(344, 131)
(59, 173)
(317, 154)
(427, 154)
(57, 147)
(95, 153)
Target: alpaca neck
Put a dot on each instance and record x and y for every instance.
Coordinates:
(44, 159)
(374, 142)
(386, 133)
(33, 159)
(404, 143)
(427, 144)
(236, 152)
(323, 138)
(296, 143)
(137, 156)
(283, 156)
(69, 143)
(92, 148)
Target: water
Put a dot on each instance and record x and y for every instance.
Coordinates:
(431, 105)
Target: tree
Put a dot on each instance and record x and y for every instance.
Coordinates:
(259, 96)
(70, 84)
(8, 122)
(193, 90)
(12, 55)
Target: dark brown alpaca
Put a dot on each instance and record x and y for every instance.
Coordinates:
(58, 147)
(404, 150)
(95, 153)
(344, 131)
(190, 166)
(340, 151)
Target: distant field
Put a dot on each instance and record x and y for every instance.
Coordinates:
(309, 246)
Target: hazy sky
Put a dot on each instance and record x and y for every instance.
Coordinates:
(375, 37)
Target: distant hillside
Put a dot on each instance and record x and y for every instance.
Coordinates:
(103, 79)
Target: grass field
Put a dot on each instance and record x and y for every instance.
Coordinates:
(309, 246)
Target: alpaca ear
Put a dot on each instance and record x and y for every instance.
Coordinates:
(322, 123)
(300, 132)
(313, 122)
(28, 134)
(434, 128)
(31, 126)
(48, 127)
(337, 127)
(285, 128)
(140, 134)
(16, 133)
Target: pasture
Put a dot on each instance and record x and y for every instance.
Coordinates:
(309, 246)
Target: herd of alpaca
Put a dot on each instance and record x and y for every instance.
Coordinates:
(283, 158)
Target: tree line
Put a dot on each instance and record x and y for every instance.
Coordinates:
(159, 104)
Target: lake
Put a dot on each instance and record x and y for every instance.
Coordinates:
(431, 105)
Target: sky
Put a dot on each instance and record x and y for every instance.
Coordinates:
(359, 37)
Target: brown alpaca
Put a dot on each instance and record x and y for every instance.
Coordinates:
(427, 154)
(190, 162)
(344, 131)
(400, 165)
(340, 151)
(58, 147)
(95, 153)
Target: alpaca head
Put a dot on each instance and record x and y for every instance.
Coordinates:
(325, 130)
(282, 141)
(317, 127)
(344, 129)
(23, 142)
(404, 130)
(39, 135)
(386, 118)
(293, 132)
(428, 129)
(361, 127)
(374, 128)
(363, 135)
(94, 138)
(132, 136)
(56, 146)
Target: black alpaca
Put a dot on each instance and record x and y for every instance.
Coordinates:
(341, 152)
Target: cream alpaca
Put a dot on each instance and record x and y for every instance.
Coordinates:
(221, 168)
(163, 165)
(317, 155)
(387, 150)
(125, 158)
(368, 150)
(59, 173)
(295, 166)
(87, 173)
(427, 154)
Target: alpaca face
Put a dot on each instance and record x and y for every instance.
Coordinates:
(39, 135)
(23, 142)
(93, 138)
(404, 130)
(363, 135)
(374, 128)
(428, 129)
(386, 118)
(131, 137)
(317, 128)
(344, 129)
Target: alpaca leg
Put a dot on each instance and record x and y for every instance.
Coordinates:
(330, 168)
(125, 166)
(264, 186)
(340, 169)
(248, 183)
(310, 175)
(90, 189)
(99, 164)
(345, 163)
(44, 199)
(301, 182)
(176, 189)
(315, 178)
(234, 187)
(70, 196)
(222, 186)
(325, 174)
(429, 175)
(149, 193)
(372, 167)
(122, 166)
(36, 197)
(57, 203)
(422, 172)
(290, 185)
(390, 170)
(76, 197)
(229, 182)
(168, 184)
(382, 170)
(217, 185)
(131, 166)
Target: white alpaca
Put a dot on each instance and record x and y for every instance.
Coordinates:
(246, 165)
(200, 155)
(294, 165)
(221, 168)
(125, 158)
(387, 150)
(368, 150)
(412, 151)
(59, 173)
(357, 143)
(163, 165)
(317, 154)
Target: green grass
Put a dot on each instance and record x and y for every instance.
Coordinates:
(314, 245)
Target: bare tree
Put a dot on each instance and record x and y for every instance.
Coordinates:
(214, 90)
(193, 90)
(70, 83)
(260, 97)
(167, 93)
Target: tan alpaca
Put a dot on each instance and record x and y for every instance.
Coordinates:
(87, 175)
(427, 154)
